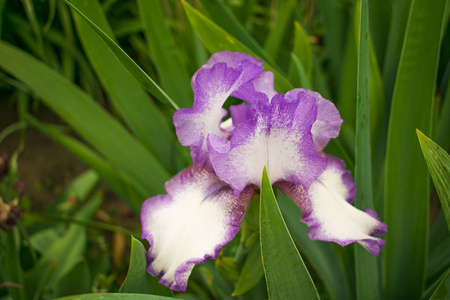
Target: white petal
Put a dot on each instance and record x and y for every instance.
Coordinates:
(197, 217)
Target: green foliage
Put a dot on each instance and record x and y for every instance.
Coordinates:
(115, 71)
(286, 274)
(138, 280)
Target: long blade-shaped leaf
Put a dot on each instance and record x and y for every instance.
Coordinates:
(438, 162)
(407, 188)
(127, 62)
(123, 187)
(286, 273)
(115, 296)
(323, 257)
(173, 74)
(88, 118)
(225, 19)
(443, 290)
(216, 39)
(367, 273)
(130, 100)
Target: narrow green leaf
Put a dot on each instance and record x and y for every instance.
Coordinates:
(122, 186)
(286, 273)
(10, 267)
(399, 17)
(225, 19)
(297, 73)
(438, 162)
(63, 255)
(251, 273)
(443, 126)
(127, 62)
(216, 39)
(35, 27)
(88, 118)
(406, 185)
(443, 290)
(138, 280)
(106, 296)
(284, 12)
(379, 13)
(368, 285)
(323, 257)
(334, 15)
(302, 48)
(76, 281)
(2, 7)
(172, 72)
(67, 58)
(130, 100)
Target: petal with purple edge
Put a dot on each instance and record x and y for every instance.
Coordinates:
(212, 87)
(328, 123)
(233, 60)
(197, 217)
(278, 136)
(327, 210)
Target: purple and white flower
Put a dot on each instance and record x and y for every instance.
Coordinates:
(205, 203)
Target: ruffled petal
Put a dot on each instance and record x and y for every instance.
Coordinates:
(263, 84)
(327, 209)
(213, 84)
(328, 123)
(278, 136)
(197, 217)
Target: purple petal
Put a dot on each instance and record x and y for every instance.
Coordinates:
(328, 123)
(329, 215)
(197, 217)
(278, 136)
(212, 85)
(263, 84)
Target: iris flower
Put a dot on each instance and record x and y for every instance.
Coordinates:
(205, 203)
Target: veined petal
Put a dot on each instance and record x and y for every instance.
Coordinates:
(213, 84)
(328, 123)
(197, 217)
(278, 136)
(327, 209)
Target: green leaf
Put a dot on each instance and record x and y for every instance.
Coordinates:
(10, 268)
(368, 285)
(251, 273)
(323, 257)
(2, 7)
(286, 273)
(334, 15)
(76, 281)
(226, 20)
(138, 280)
(124, 91)
(106, 296)
(297, 73)
(88, 118)
(172, 72)
(284, 12)
(63, 255)
(302, 48)
(407, 185)
(399, 18)
(438, 162)
(216, 39)
(121, 185)
(127, 62)
(443, 290)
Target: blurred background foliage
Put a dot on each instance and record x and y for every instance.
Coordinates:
(61, 84)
